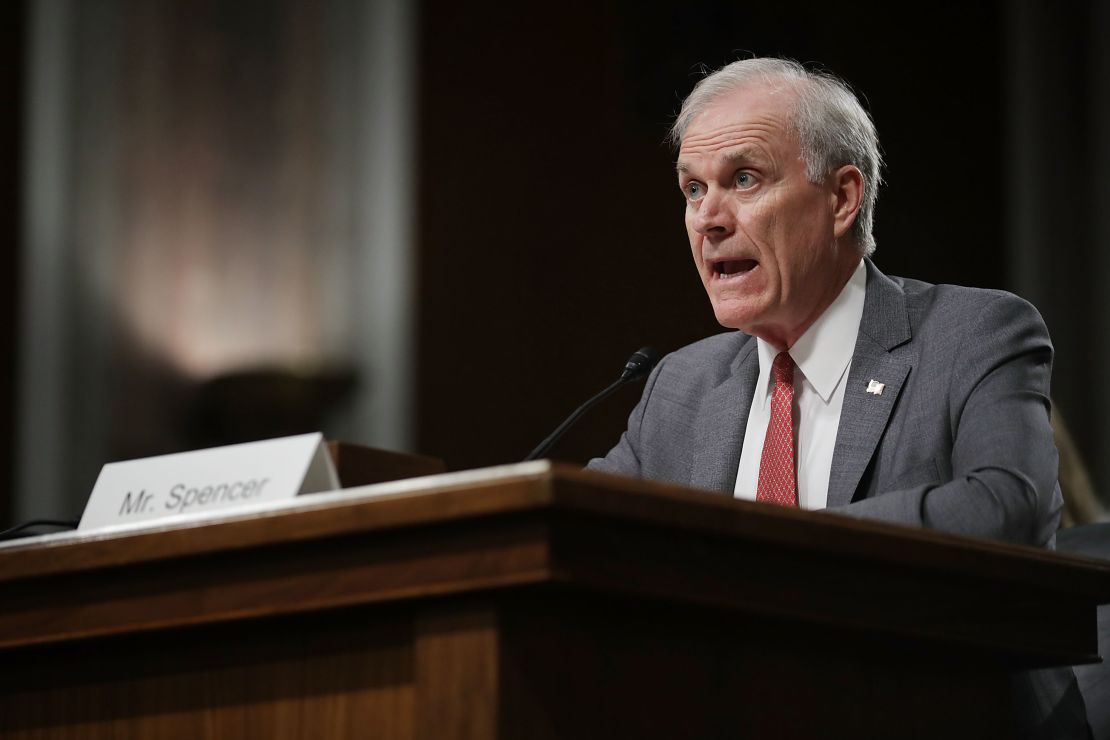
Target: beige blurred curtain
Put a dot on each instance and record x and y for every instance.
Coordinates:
(213, 186)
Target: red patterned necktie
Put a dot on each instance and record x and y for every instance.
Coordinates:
(777, 481)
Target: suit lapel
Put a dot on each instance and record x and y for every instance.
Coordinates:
(721, 429)
(863, 418)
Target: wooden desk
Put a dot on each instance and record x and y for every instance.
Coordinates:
(530, 601)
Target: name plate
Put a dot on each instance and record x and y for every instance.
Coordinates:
(215, 479)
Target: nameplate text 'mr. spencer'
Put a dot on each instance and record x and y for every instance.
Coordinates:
(216, 479)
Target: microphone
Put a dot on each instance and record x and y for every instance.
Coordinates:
(639, 365)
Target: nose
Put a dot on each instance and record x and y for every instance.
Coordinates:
(711, 217)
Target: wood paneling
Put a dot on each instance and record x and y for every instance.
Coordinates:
(600, 668)
(283, 679)
(530, 601)
(458, 676)
(359, 466)
(542, 524)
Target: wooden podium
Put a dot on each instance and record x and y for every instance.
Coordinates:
(530, 601)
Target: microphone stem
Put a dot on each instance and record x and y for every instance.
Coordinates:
(548, 443)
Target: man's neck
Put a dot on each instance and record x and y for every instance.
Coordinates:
(783, 340)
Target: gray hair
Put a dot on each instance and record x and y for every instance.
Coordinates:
(832, 127)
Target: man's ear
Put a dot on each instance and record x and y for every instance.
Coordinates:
(847, 192)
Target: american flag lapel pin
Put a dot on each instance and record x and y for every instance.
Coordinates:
(875, 387)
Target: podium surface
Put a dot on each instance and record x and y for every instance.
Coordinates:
(531, 600)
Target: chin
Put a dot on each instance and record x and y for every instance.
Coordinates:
(730, 320)
(733, 314)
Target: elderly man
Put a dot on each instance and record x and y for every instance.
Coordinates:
(880, 397)
(844, 388)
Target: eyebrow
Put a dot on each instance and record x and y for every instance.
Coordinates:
(745, 154)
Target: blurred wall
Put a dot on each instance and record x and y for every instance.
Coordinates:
(215, 189)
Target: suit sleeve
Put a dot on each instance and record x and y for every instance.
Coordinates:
(1003, 457)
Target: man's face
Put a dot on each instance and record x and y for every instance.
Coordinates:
(764, 238)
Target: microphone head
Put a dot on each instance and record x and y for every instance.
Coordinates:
(640, 363)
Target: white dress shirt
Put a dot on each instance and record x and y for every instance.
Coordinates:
(822, 356)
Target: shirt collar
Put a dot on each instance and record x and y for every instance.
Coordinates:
(824, 351)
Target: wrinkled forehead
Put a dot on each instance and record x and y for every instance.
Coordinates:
(760, 111)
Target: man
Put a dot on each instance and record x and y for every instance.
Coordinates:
(912, 403)
(846, 389)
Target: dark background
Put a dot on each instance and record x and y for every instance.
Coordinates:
(12, 35)
(551, 225)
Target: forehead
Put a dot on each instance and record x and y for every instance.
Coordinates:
(756, 116)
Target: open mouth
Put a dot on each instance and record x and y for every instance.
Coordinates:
(731, 268)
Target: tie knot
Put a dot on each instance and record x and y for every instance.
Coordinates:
(782, 369)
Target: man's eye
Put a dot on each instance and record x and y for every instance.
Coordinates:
(745, 180)
(693, 190)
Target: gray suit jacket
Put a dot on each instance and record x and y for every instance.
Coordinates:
(959, 440)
